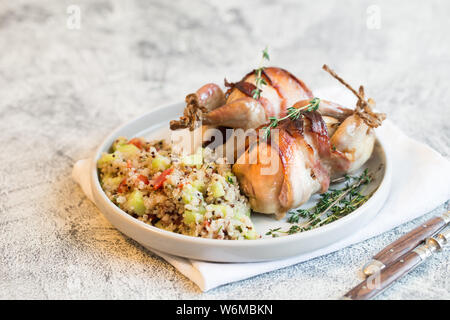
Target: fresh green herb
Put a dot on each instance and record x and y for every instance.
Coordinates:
(259, 80)
(272, 232)
(230, 180)
(297, 214)
(293, 114)
(266, 54)
(333, 205)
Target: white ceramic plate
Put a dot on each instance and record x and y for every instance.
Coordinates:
(155, 125)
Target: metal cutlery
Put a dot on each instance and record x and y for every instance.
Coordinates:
(379, 281)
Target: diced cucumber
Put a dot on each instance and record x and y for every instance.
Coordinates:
(202, 210)
(190, 193)
(187, 194)
(135, 202)
(113, 182)
(219, 208)
(187, 197)
(199, 185)
(251, 235)
(105, 159)
(127, 150)
(119, 142)
(191, 217)
(160, 163)
(192, 160)
(241, 211)
(217, 189)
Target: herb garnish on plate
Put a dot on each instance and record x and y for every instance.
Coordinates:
(259, 80)
(333, 205)
(293, 114)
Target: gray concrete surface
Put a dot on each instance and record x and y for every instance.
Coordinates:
(63, 89)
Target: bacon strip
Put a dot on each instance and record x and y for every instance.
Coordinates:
(297, 155)
(245, 87)
(289, 88)
(319, 130)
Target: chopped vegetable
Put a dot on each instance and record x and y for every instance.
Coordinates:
(160, 163)
(219, 208)
(199, 185)
(136, 202)
(191, 217)
(122, 186)
(161, 178)
(241, 212)
(190, 193)
(106, 158)
(217, 189)
(127, 150)
(113, 182)
(143, 178)
(195, 159)
(137, 142)
(251, 234)
(121, 141)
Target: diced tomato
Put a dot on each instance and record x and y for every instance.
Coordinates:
(137, 142)
(161, 178)
(122, 186)
(181, 185)
(142, 178)
(129, 165)
(207, 223)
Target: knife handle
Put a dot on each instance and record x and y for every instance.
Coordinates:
(384, 278)
(405, 243)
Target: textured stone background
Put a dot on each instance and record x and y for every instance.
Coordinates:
(63, 90)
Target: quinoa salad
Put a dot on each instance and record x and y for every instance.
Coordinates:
(195, 195)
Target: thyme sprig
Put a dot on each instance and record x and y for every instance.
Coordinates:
(333, 205)
(293, 114)
(259, 80)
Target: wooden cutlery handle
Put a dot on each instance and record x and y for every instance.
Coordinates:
(381, 280)
(410, 240)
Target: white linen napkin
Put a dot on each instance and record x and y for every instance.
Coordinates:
(420, 183)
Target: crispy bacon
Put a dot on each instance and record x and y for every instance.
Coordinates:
(318, 128)
(297, 155)
(289, 88)
(246, 88)
(287, 149)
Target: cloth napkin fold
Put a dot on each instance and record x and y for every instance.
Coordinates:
(420, 183)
